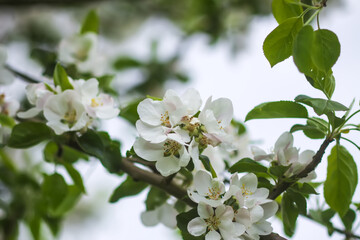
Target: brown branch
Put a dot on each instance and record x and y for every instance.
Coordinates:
(285, 184)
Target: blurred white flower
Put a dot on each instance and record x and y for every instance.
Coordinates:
(165, 214)
(6, 77)
(81, 50)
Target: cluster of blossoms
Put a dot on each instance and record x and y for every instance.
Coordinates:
(72, 109)
(239, 213)
(172, 131)
(285, 154)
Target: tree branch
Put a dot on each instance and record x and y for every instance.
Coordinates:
(285, 184)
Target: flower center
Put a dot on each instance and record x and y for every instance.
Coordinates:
(245, 192)
(214, 193)
(172, 147)
(95, 103)
(213, 223)
(165, 119)
(69, 117)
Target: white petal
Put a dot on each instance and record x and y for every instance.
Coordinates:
(205, 211)
(213, 235)
(194, 153)
(191, 98)
(270, 209)
(148, 151)
(167, 165)
(202, 182)
(262, 228)
(224, 213)
(153, 134)
(243, 216)
(239, 228)
(149, 218)
(223, 110)
(260, 194)
(197, 227)
(306, 157)
(32, 112)
(256, 213)
(250, 181)
(167, 215)
(284, 141)
(150, 111)
(260, 154)
(201, 198)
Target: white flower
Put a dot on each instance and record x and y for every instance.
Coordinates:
(165, 214)
(160, 118)
(37, 94)
(215, 116)
(81, 50)
(97, 105)
(246, 191)
(8, 107)
(6, 77)
(216, 224)
(65, 112)
(208, 190)
(169, 155)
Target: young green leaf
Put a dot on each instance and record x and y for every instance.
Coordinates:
(278, 44)
(326, 49)
(321, 106)
(72, 197)
(129, 112)
(289, 212)
(128, 188)
(91, 23)
(283, 10)
(341, 179)
(61, 79)
(313, 129)
(28, 134)
(348, 219)
(247, 165)
(282, 109)
(6, 120)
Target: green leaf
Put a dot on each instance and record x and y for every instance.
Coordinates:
(75, 176)
(6, 120)
(155, 198)
(207, 164)
(54, 189)
(278, 44)
(28, 134)
(304, 188)
(126, 62)
(321, 106)
(278, 170)
(91, 23)
(283, 9)
(341, 179)
(128, 188)
(299, 200)
(61, 79)
(326, 49)
(35, 226)
(322, 81)
(290, 212)
(182, 222)
(302, 49)
(72, 197)
(315, 128)
(348, 219)
(247, 165)
(130, 111)
(100, 145)
(50, 151)
(282, 109)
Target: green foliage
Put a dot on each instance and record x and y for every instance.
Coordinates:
(289, 212)
(278, 170)
(127, 188)
(126, 62)
(348, 219)
(61, 79)
(341, 180)
(278, 44)
(75, 176)
(281, 109)
(54, 189)
(315, 128)
(303, 188)
(100, 145)
(91, 23)
(27, 134)
(323, 217)
(284, 9)
(155, 198)
(182, 221)
(247, 165)
(71, 199)
(321, 106)
(5, 120)
(130, 111)
(46, 58)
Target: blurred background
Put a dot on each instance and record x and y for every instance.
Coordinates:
(148, 46)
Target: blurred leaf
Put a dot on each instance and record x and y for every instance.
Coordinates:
(75, 176)
(91, 23)
(155, 198)
(46, 58)
(126, 62)
(54, 189)
(247, 165)
(27, 134)
(35, 225)
(6, 120)
(61, 79)
(130, 111)
(304, 188)
(283, 10)
(128, 188)
(348, 219)
(278, 170)
(314, 129)
(50, 151)
(341, 179)
(72, 197)
(278, 44)
(282, 109)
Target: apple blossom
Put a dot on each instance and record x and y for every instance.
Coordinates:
(165, 214)
(216, 224)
